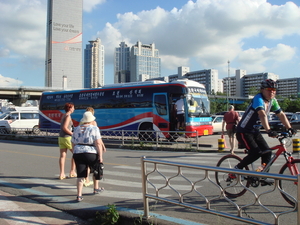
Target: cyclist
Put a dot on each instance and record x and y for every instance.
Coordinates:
(249, 135)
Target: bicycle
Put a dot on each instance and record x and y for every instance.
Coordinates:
(291, 167)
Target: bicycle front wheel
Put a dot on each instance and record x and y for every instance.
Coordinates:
(229, 182)
(290, 187)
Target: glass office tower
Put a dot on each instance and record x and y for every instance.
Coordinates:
(145, 62)
(63, 63)
(122, 64)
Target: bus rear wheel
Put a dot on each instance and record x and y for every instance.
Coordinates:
(146, 132)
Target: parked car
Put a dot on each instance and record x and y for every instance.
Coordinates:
(275, 123)
(295, 121)
(241, 113)
(11, 121)
(217, 121)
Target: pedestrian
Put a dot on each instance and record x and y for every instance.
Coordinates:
(231, 118)
(64, 141)
(180, 113)
(88, 150)
(248, 133)
(87, 181)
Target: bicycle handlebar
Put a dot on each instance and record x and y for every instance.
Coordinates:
(282, 135)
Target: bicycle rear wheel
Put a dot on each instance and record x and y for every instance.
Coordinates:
(289, 187)
(231, 186)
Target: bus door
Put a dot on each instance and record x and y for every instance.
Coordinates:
(161, 112)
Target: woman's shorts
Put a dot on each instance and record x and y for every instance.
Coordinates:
(83, 161)
(64, 142)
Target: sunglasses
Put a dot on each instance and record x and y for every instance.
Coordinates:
(270, 89)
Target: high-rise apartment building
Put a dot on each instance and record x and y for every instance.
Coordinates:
(93, 64)
(122, 64)
(63, 65)
(209, 78)
(289, 87)
(145, 62)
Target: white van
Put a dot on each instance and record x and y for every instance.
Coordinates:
(14, 120)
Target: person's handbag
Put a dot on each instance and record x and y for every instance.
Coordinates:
(234, 128)
(98, 170)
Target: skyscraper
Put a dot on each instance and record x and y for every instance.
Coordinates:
(145, 62)
(94, 64)
(63, 65)
(122, 64)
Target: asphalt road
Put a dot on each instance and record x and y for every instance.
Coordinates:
(31, 170)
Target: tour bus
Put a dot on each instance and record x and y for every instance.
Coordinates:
(136, 106)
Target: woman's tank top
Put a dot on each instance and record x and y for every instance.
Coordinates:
(62, 133)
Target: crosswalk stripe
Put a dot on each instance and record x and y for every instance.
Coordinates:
(9, 210)
(161, 169)
(130, 187)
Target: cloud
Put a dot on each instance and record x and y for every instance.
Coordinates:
(173, 62)
(89, 5)
(211, 31)
(7, 81)
(4, 52)
(21, 33)
(256, 58)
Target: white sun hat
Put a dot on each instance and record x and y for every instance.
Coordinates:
(87, 117)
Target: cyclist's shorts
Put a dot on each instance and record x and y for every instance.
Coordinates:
(64, 142)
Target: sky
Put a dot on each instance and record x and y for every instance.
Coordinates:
(254, 35)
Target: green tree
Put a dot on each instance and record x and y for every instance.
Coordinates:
(284, 104)
(253, 91)
(242, 107)
(294, 105)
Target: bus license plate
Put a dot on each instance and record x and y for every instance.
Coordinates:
(205, 132)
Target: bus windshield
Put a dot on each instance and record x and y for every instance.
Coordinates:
(198, 102)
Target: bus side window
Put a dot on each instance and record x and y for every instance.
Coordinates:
(161, 104)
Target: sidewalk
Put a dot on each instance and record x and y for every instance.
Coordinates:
(20, 210)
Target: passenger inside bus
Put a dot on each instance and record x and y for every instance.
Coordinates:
(196, 106)
(192, 104)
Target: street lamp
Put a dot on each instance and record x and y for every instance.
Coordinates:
(228, 84)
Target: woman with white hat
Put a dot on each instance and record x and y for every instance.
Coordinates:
(87, 150)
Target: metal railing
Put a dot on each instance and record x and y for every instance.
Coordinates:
(158, 186)
(183, 140)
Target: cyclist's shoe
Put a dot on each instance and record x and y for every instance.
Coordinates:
(267, 181)
(232, 176)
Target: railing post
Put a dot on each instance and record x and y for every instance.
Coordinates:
(197, 139)
(122, 137)
(298, 199)
(144, 188)
(156, 136)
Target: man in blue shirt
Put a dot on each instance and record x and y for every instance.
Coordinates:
(249, 135)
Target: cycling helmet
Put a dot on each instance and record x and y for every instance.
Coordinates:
(269, 83)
